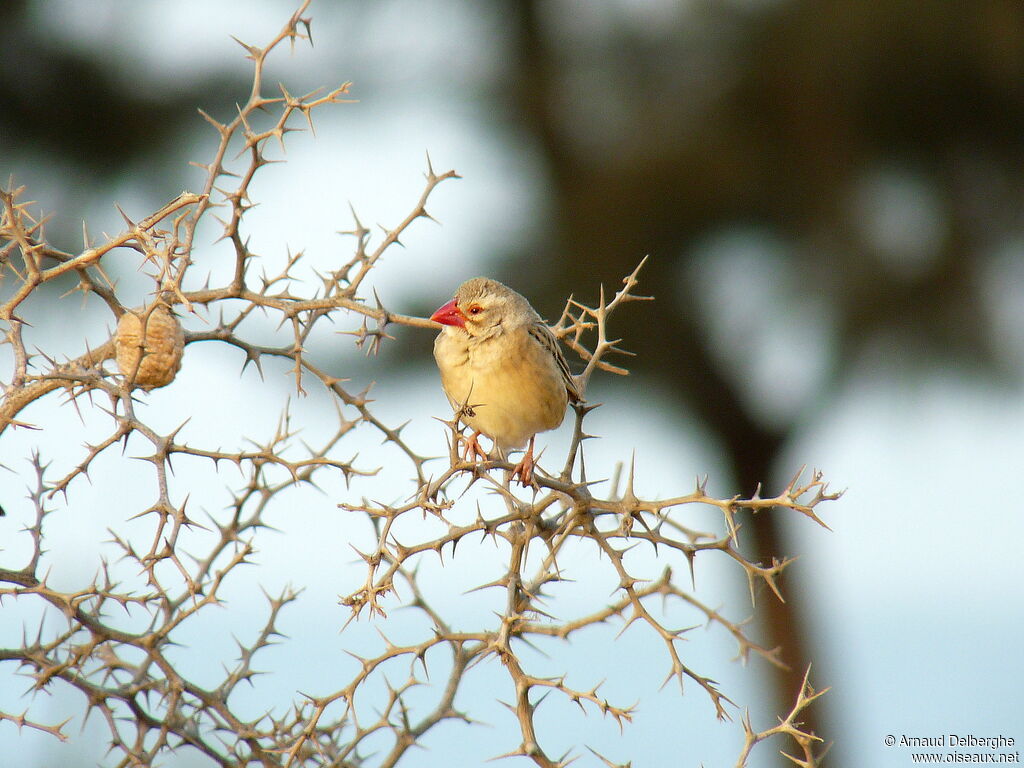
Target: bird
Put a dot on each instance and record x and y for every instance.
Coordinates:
(501, 369)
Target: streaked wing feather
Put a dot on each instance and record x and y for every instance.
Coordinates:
(547, 340)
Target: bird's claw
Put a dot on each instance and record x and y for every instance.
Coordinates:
(524, 472)
(524, 469)
(473, 449)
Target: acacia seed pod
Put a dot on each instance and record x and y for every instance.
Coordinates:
(160, 349)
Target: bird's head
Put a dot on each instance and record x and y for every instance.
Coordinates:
(483, 307)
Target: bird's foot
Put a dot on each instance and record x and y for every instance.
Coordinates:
(524, 469)
(473, 449)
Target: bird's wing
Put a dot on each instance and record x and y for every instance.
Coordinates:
(547, 340)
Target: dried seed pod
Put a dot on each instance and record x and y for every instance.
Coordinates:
(160, 348)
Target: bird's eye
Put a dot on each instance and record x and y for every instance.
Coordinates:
(476, 309)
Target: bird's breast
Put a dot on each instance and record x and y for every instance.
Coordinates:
(513, 387)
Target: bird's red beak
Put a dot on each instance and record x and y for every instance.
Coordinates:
(450, 314)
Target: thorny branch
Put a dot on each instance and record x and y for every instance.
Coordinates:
(118, 641)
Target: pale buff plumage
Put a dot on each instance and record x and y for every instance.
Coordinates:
(501, 365)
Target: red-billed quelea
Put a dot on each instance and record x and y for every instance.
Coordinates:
(501, 366)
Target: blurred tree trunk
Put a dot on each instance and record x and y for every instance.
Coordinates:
(605, 218)
(787, 116)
